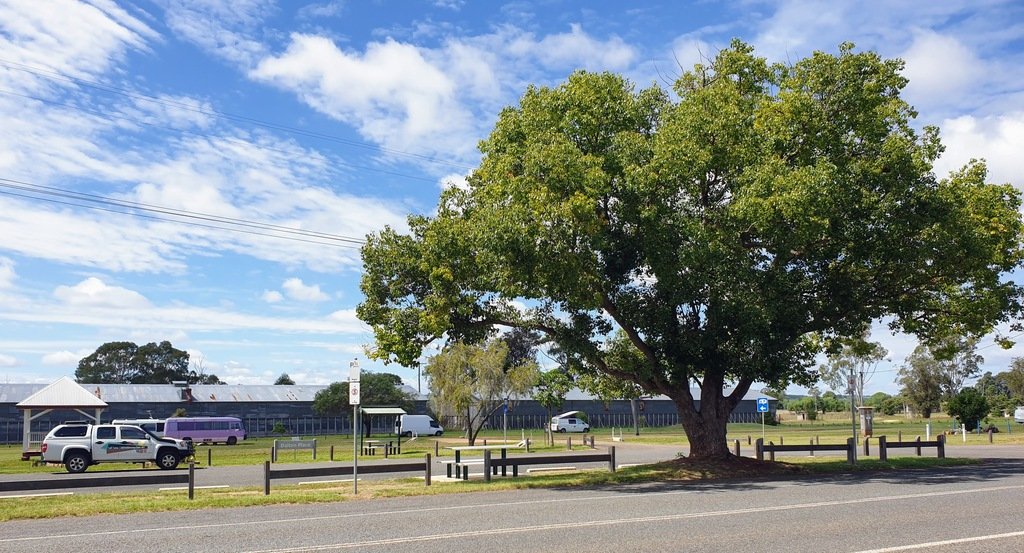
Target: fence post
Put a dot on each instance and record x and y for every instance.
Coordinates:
(426, 470)
(867, 449)
(781, 442)
(990, 434)
(266, 477)
(771, 451)
(748, 439)
(851, 451)
(918, 446)
(736, 448)
(273, 454)
(527, 445)
(899, 436)
(812, 448)
(883, 455)
(332, 452)
(568, 443)
(209, 457)
(942, 446)
(487, 465)
(437, 445)
(191, 480)
(314, 449)
(611, 458)
(759, 449)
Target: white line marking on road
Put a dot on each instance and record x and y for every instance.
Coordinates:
(508, 504)
(944, 542)
(24, 495)
(194, 488)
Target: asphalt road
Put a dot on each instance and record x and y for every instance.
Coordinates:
(958, 509)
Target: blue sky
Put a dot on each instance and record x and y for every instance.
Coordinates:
(339, 118)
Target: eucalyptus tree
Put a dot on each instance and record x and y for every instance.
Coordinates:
(730, 231)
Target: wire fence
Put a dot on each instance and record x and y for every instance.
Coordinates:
(258, 427)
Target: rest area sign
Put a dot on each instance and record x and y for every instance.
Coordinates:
(762, 405)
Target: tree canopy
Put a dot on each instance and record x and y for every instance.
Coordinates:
(731, 231)
(285, 380)
(128, 363)
(378, 389)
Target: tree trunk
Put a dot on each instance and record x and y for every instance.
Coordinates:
(706, 425)
(706, 431)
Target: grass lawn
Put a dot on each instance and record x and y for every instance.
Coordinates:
(833, 428)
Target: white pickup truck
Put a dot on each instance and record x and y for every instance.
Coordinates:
(78, 446)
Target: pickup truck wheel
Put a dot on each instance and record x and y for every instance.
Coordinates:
(167, 459)
(76, 462)
(232, 440)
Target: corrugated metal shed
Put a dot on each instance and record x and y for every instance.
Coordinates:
(62, 393)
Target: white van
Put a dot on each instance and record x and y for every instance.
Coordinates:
(1018, 415)
(154, 426)
(418, 425)
(569, 422)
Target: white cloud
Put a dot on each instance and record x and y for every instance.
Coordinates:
(78, 39)
(940, 69)
(997, 139)
(272, 296)
(576, 49)
(93, 292)
(225, 28)
(62, 359)
(297, 290)
(454, 179)
(8, 361)
(391, 92)
(7, 273)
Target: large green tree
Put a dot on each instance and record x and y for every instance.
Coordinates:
(128, 363)
(731, 231)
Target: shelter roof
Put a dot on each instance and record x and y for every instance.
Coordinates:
(64, 393)
(383, 410)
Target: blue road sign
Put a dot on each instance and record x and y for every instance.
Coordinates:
(762, 405)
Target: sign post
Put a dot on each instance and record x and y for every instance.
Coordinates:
(762, 407)
(353, 400)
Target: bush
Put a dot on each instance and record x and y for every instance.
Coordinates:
(279, 428)
(969, 407)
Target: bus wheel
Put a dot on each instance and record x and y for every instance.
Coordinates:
(232, 440)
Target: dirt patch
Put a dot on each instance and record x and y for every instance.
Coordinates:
(685, 468)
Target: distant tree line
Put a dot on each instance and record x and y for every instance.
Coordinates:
(152, 363)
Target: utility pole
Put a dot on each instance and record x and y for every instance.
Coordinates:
(853, 411)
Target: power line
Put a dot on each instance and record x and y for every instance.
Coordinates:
(54, 75)
(23, 189)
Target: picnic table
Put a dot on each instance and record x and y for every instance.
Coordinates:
(370, 447)
(461, 468)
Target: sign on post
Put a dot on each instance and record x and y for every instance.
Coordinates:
(762, 407)
(353, 393)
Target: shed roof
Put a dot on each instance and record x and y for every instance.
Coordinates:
(64, 393)
(383, 410)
